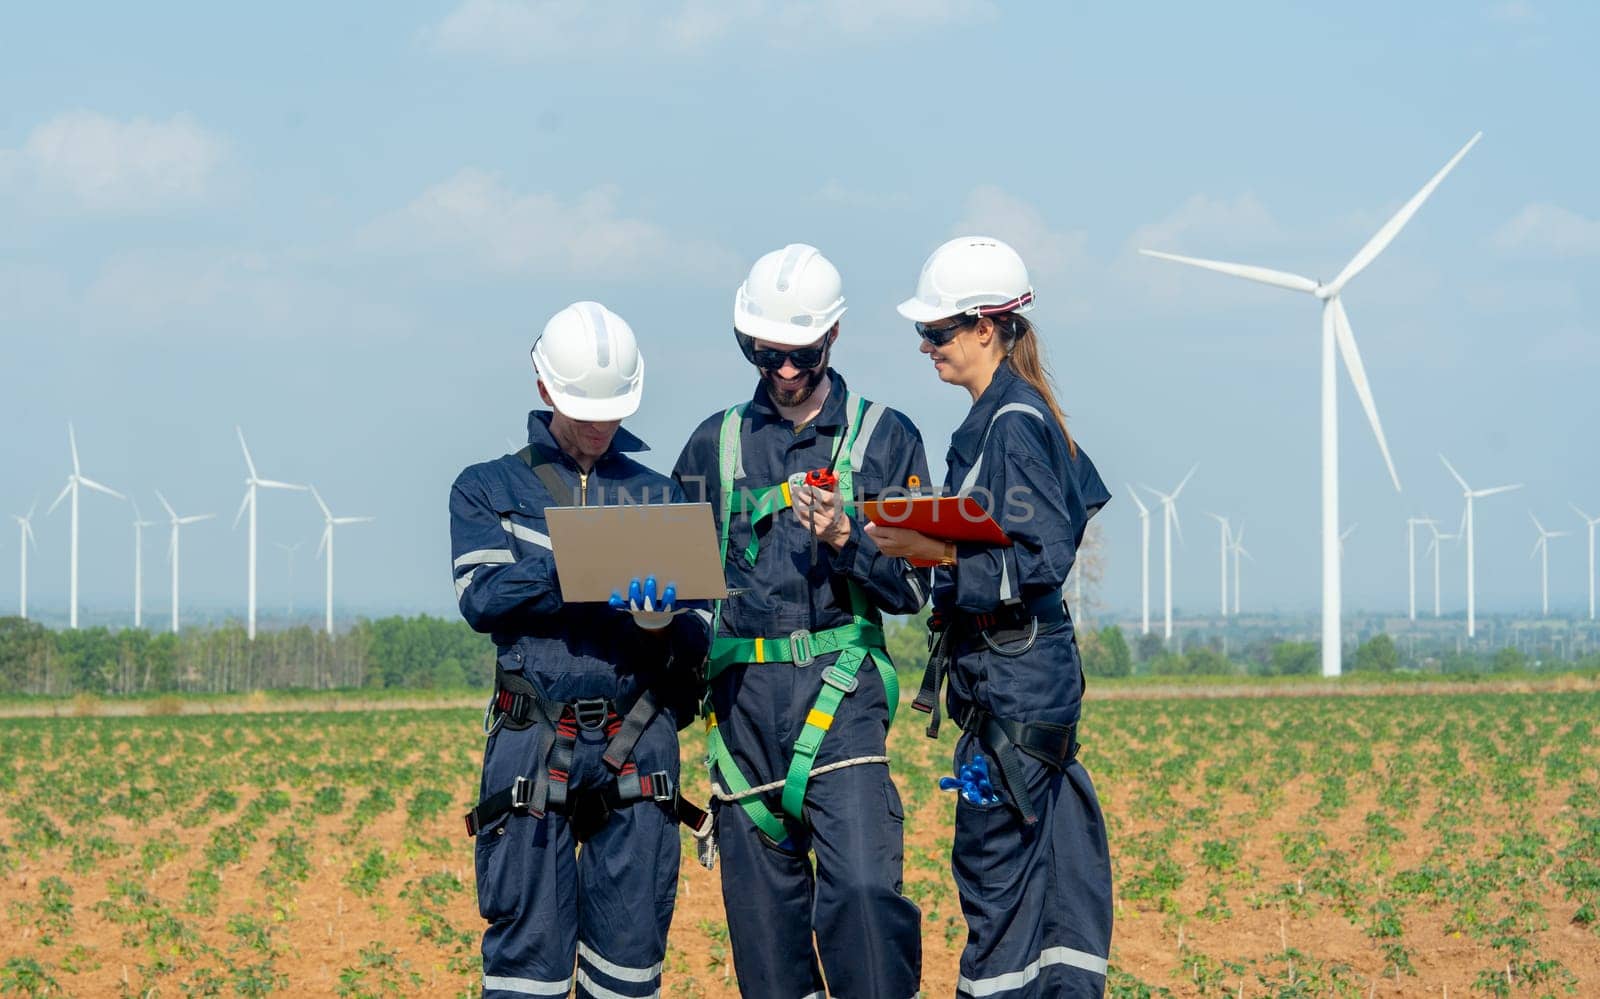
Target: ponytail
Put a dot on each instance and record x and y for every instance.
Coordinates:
(1024, 356)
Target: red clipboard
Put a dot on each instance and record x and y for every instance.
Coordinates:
(946, 518)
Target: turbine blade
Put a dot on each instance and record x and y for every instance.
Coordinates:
(196, 518)
(1536, 546)
(170, 511)
(27, 530)
(92, 484)
(271, 484)
(1172, 511)
(318, 497)
(1192, 469)
(242, 504)
(1461, 528)
(1455, 475)
(172, 545)
(1250, 272)
(1481, 493)
(1536, 523)
(1144, 511)
(248, 463)
(72, 442)
(353, 520)
(1586, 518)
(64, 490)
(1358, 377)
(323, 541)
(1367, 254)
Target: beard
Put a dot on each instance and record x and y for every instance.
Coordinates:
(795, 396)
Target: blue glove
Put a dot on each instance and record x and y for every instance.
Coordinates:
(650, 610)
(972, 783)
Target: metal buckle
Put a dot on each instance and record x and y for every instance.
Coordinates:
(661, 786)
(520, 791)
(833, 676)
(801, 650)
(591, 713)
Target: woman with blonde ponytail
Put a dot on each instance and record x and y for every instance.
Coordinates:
(1029, 856)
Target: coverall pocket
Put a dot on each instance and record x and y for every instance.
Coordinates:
(499, 867)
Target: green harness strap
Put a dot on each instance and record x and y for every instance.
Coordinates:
(856, 642)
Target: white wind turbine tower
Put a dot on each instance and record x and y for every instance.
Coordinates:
(1169, 520)
(1468, 529)
(139, 524)
(1590, 522)
(1237, 548)
(1144, 562)
(1411, 563)
(75, 480)
(172, 548)
(1542, 547)
(1433, 549)
(1222, 556)
(1336, 332)
(251, 483)
(326, 545)
(25, 530)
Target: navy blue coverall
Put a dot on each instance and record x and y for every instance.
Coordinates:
(867, 933)
(604, 909)
(1037, 898)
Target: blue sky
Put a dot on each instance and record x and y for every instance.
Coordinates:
(341, 228)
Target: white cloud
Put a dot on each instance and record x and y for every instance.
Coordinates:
(103, 164)
(519, 30)
(229, 294)
(1514, 12)
(475, 219)
(1549, 230)
(1204, 224)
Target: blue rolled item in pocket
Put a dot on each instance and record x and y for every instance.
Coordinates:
(972, 782)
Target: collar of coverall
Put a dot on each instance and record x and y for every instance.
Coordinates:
(832, 415)
(969, 436)
(540, 437)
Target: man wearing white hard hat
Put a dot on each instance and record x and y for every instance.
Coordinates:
(582, 726)
(802, 691)
(1029, 853)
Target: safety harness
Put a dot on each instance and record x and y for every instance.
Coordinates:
(1008, 631)
(857, 642)
(518, 704)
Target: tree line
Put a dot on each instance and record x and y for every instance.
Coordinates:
(430, 653)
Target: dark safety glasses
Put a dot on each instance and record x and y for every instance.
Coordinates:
(767, 359)
(941, 335)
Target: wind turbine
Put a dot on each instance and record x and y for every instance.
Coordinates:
(1336, 332)
(25, 529)
(1144, 562)
(139, 524)
(1237, 548)
(1411, 562)
(1590, 522)
(1468, 529)
(75, 480)
(172, 548)
(1542, 547)
(251, 484)
(1433, 549)
(326, 545)
(1343, 535)
(1222, 553)
(1169, 520)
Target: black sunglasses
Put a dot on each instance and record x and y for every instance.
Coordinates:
(803, 358)
(941, 335)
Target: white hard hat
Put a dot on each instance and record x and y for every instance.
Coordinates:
(792, 297)
(973, 276)
(590, 363)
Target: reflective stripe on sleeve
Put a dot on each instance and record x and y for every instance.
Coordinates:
(486, 556)
(527, 534)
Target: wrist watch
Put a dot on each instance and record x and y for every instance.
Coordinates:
(949, 556)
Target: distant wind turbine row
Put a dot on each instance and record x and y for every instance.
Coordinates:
(77, 480)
